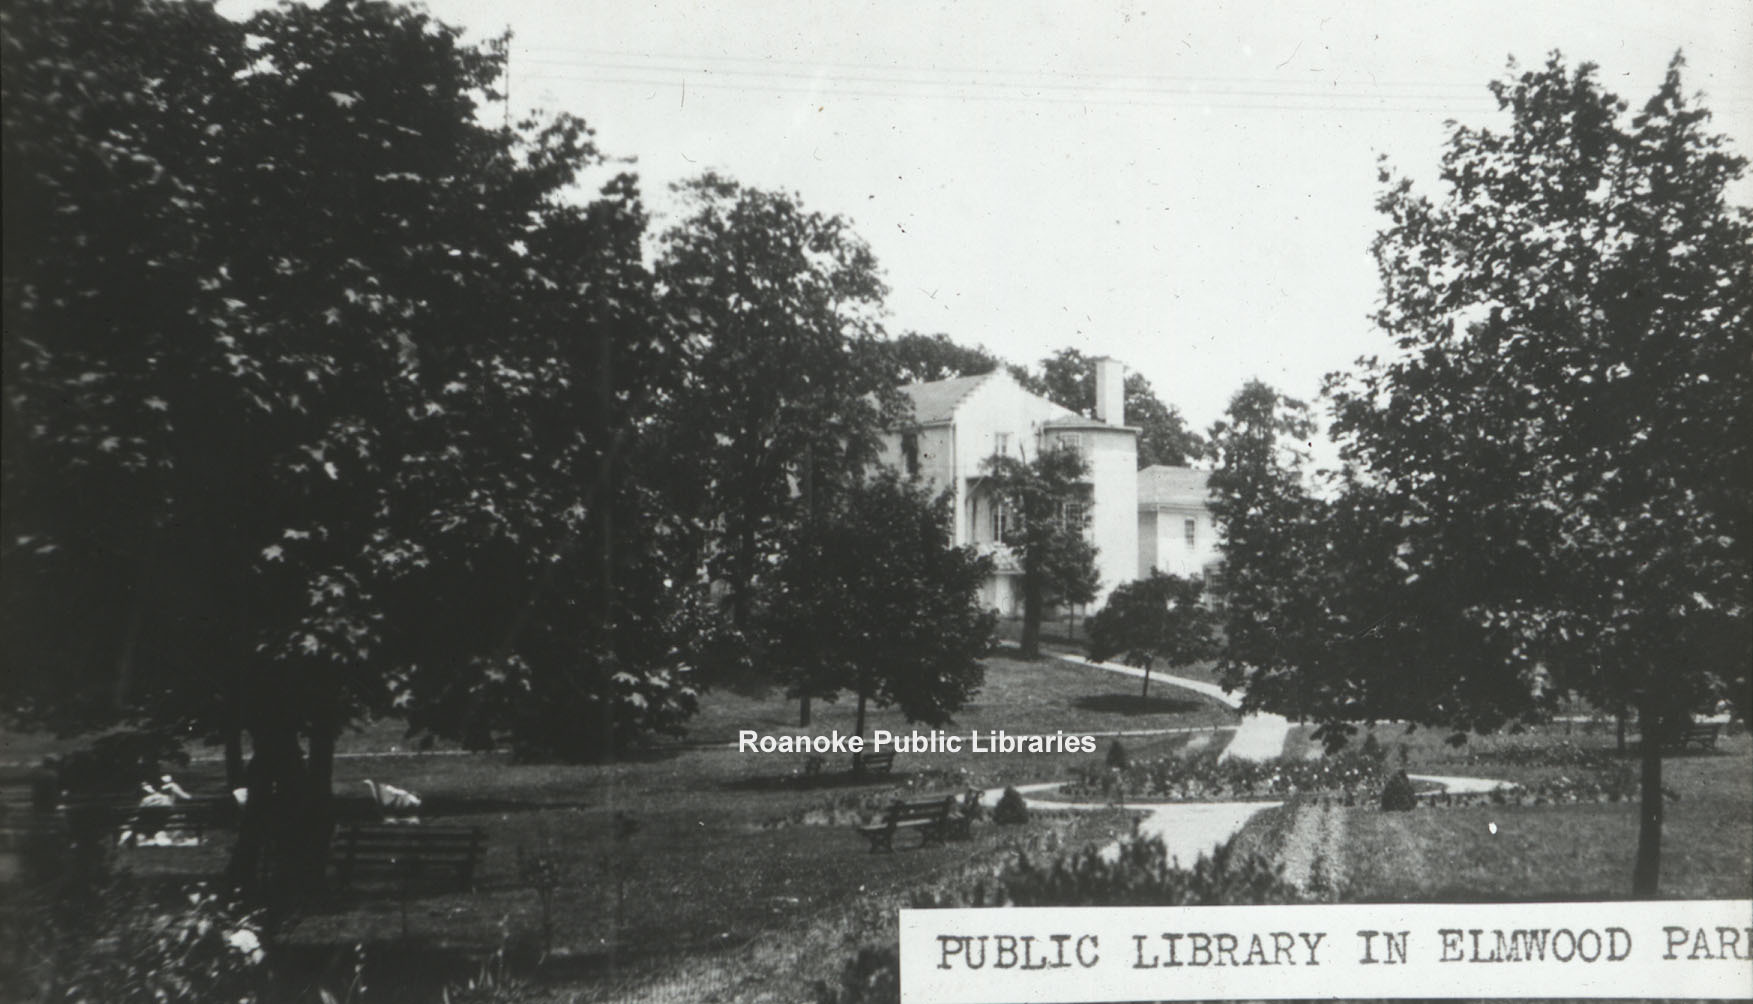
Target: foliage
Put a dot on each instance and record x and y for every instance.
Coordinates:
(1067, 378)
(1048, 496)
(1117, 758)
(116, 943)
(919, 358)
(1142, 875)
(1206, 776)
(1272, 542)
(315, 392)
(871, 597)
(1397, 794)
(1160, 617)
(120, 761)
(1553, 463)
(1012, 809)
(752, 283)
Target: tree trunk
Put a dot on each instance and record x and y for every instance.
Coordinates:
(1032, 605)
(803, 710)
(1646, 875)
(234, 765)
(1146, 695)
(858, 729)
(282, 837)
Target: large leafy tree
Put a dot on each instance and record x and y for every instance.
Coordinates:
(921, 358)
(1160, 617)
(1067, 378)
(777, 310)
(268, 295)
(1271, 536)
(1560, 446)
(1047, 499)
(872, 598)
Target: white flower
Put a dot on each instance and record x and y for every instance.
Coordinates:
(244, 942)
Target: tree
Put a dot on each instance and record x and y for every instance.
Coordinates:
(1048, 498)
(1560, 445)
(1162, 617)
(262, 395)
(919, 358)
(1271, 535)
(776, 307)
(1067, 378)
(872, 598)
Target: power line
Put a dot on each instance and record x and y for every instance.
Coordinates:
(1193, 99)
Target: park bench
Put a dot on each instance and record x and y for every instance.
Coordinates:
(873, 763)
(934, 818)
(407, 853)
(1703, 735)
(184, 823)
(1700, 734)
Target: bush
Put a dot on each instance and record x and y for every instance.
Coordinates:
(1117, 757)
(1011, 809)
(873, 976)
(1204, 777)
(116, 944)
(1397, 794)
(120, 762)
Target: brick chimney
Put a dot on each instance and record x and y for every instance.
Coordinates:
(1110, 391)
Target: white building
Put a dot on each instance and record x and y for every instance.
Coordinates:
(1176, 531)
(958, 424)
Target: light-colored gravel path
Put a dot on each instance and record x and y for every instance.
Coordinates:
(1259, 737)
(1187, 829)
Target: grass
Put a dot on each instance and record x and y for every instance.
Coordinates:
(1545, 852)
(741, 869)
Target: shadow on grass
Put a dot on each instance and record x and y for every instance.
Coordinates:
(814, 782)
(1132, 704)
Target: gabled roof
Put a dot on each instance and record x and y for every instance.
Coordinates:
(1161, 484)
(938, 400)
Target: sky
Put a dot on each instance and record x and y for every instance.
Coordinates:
(1187, 187)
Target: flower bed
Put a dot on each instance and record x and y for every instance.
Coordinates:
(1205, 778)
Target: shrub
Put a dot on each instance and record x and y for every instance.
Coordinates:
(127, 948)
(1011, 809)
(1117, 757)
(1204, 777)
(1397, 794)
(120, 761)
(873, 976)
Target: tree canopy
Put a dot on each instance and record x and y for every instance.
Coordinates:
(872, 598)
(1046, 500)
(1547, 481)
(1068, 379)
(1160, 617)
(286, 328)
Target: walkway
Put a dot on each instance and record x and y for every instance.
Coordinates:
(1258, 737)
(1187, 829)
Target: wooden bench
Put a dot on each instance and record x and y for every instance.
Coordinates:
(932, 817)
(873, 763)
(1700, 734)
(407, 853)
(1703, 735)
(136, 824)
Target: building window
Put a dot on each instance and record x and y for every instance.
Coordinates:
(1192, 529)
(1074, 514)
(910, 452)
(1072, 441)
(1000, 444)
(1002, 520)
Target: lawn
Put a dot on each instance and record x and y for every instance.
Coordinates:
(1532, 852)
(740, 877)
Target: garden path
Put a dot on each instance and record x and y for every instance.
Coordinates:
(1258, 737)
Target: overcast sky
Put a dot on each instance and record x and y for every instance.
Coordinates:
(1187, 187)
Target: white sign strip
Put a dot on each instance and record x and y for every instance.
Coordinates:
(1658, 948)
